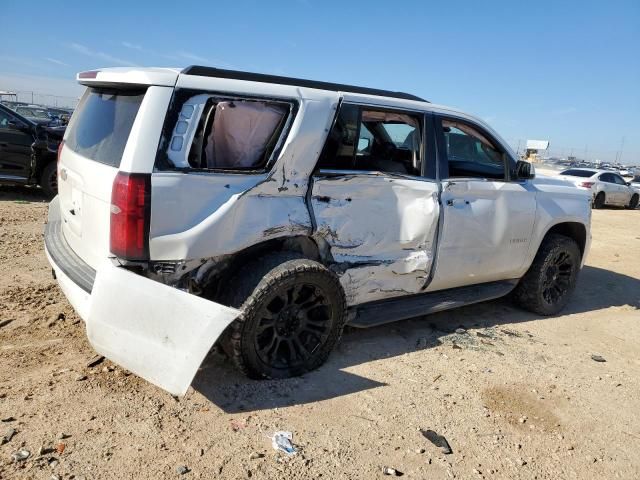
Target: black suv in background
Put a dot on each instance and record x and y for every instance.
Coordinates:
(28, 152)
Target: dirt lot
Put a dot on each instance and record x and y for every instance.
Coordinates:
(516, 395)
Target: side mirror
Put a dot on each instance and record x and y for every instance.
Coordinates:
(525, 170)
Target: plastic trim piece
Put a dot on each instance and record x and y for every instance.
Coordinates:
(66, 259)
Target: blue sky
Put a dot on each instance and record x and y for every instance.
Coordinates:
(568, 72)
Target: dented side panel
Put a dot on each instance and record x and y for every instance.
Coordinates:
(381, 230)
(205, 215)
(487, 229)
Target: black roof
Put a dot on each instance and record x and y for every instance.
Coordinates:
(297, 82)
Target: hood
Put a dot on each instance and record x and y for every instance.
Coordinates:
(559, 180)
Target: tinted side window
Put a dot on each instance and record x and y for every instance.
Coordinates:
(619, 180)
(577, 173)
(607, 177)
(4, 119)
(102, 123)
(470, 153)
(369, 139)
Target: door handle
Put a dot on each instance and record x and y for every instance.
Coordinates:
(454, 202)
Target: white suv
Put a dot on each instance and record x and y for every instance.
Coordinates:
(262, 213)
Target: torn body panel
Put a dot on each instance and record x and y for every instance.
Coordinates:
(160, 333)
(381, 231)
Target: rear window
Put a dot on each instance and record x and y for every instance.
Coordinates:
(102, 123)
(578, 173)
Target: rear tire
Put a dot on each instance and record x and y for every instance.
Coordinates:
(633, 203)
(599, 201)
(548, 284)
(293, 315)
(49, 180)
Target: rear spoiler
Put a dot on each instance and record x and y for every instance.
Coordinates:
(126, 77)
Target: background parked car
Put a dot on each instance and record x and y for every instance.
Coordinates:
(37, 115)
(607, 188)
(28, 152)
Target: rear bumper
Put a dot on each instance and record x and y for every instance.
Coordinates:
(158, 332)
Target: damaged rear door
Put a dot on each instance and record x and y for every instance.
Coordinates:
(373, 203)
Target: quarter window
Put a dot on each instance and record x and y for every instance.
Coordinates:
(379, 140)
(206, 132)
(470, 153)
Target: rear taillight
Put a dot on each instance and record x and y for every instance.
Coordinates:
(60, 149)
(58, 159)
(130, 216)
(587, 184)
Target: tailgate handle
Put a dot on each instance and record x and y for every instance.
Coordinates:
(72, 211)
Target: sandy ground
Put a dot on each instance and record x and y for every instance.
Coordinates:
(516, 395)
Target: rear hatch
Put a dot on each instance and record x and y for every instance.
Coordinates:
(88, 163)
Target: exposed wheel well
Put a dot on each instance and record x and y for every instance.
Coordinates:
(574, 230)
(305, 246)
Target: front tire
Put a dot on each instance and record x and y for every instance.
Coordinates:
(293, 315)
(548, 284)
(49, 180)
(599, 201)
(633, 203)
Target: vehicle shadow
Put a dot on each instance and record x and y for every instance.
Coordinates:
(22, 193)
(224, 386)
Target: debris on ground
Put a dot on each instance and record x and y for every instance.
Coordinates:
(391, 471)
(95, 360)
(60, 446)
(181, 470)
(282, 441)
(20, 455)
(56, 318)
(4, 323)
(7, 419)
(256, 456)
(438, 440)
(598, 358)
(461, 331)
(44, 450)
(8, 436)
(81, 378)
(510, 333)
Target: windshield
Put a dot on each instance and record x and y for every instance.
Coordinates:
(101, 124)
(578, 173)
(33, 112)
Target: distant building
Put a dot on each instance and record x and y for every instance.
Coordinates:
(533, 149)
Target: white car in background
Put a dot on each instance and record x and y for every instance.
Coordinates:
(607, 188)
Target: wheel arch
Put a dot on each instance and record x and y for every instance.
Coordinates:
(305, 246)
(575, 230)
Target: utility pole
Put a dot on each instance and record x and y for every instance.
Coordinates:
(621, 147)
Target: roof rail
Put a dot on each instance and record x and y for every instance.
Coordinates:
(297, 82)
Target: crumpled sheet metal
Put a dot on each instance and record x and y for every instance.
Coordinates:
(383, 229)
